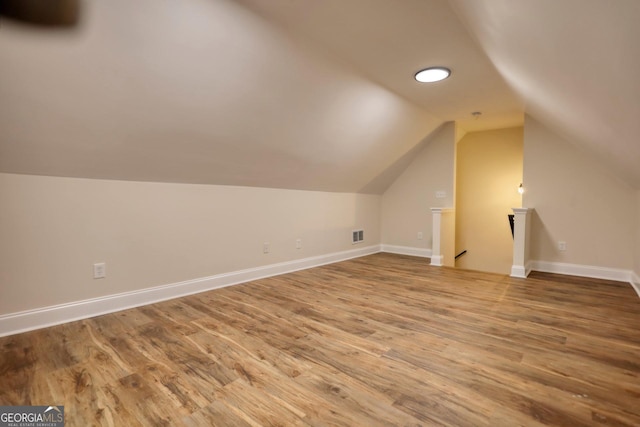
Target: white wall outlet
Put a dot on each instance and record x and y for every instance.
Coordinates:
(99, 270)
(441, 194)
(298, 243)
(265, 248)
(562, 246)
(420, 235)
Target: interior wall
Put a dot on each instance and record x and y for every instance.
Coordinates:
(407, 203)
(576, 201)
(488, 172)
(636, 267)
(52, 231)
(203, 92)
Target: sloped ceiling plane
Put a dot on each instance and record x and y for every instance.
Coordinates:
(307, 94)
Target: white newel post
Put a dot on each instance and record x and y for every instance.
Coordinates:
(521, 238)
(440, 234)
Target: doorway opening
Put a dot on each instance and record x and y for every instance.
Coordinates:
(488, 175)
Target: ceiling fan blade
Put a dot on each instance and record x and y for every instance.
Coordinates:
(51, 13)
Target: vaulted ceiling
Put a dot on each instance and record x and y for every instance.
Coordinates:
(307, 94)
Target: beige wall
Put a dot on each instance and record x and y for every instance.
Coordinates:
(202, 92)
(52, 231)
(488, 172)
(407, 202)
(636, 266)
(577, 201)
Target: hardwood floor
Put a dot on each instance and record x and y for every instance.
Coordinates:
(382, 340)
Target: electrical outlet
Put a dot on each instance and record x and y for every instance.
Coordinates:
(298, 243)
(265, 248)
(562, 246)
(441, 194)
(420, 235)
(99, 270)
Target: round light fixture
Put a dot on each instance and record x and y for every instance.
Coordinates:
(432, 74)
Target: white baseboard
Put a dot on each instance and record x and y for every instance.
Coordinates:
(521, 271)
(406, 250)
(595, 272)
(437, 260)
(635, 282)
(24, 321)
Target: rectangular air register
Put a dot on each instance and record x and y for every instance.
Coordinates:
(357, 236)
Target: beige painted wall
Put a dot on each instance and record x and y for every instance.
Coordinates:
(202, 92)
(636, 266)
(577, 201)
(407, 202)
(52, 231)
(488, 172)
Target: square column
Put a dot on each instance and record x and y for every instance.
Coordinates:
(521, 239)
(442, 233)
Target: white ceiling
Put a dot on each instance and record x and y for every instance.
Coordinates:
(389, 41)
(576, 63)
(308, 94)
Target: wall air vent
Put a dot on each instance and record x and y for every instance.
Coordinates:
(357, 236)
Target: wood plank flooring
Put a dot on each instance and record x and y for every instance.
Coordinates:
(383, 340)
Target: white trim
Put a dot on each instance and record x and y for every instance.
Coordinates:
(437, 231)
(582, 270)
(594, 272)
(521, 266)
(442, 210)
(520, 271)
(635, 282)
(14, 323)
(437, 260)
(406, 250)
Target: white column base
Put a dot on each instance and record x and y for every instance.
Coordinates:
(437, 260)
(520, 271)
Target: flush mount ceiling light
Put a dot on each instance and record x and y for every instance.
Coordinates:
(432, 74)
